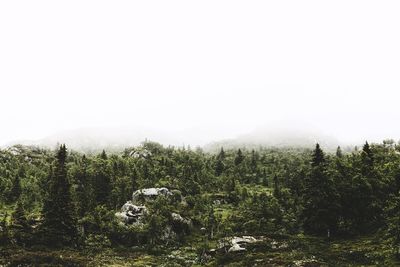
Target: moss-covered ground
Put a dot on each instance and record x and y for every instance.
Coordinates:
(274, 251)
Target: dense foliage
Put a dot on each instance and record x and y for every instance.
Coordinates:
(69, 199)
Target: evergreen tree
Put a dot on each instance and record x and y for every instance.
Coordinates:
(339, 152)
(103, 155)
(277, 189)
(367, 157)
(254, 161)
(239, 157)
(134, 180)
(318, 157)
(102, 180)
(59, 222)
(393, 212)
(265, 178)
(16, 190)
(221, 154)
(375, 197)
(4, 230)
(83, 192)
(20, 228)
(219, 165)
(320, 198)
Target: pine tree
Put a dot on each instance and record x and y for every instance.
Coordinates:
(82, 188)
(393, 212)
(219, 165)
(254, 160)
(221, 154)
(321, 209)
(16, 190)
(339, 152)
(239, 157)
(367, 155)
(59, 222)
(318, 157)
(103, 155)
(265, 178)
(4, 230)
(20, 228)
(134, 180)
(277, 189)
(374, 200)
(102, 180)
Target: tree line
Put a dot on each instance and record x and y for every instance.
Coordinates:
(69, 198)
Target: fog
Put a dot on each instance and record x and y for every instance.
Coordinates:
(198, 72)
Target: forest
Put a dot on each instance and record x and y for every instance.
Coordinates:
(153, 205)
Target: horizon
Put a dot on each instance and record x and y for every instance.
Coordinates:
(97, 138)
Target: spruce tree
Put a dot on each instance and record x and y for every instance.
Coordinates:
(265, 178)
(339, 152)
(102, 180)
(367, 155)
(16, 190)
(219, 165)
(221, 154)
(103, 155)
(4, 230)
(374, 200)
(393, 212)
(59, 222)
(82, 191)
(321, 209)
(277, 189)
(239, 157)
(20, 228)
(318, 156)
(254, 161)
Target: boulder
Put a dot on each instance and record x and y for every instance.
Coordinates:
(178, 218)
(131, 213)
(134, 211)
(236, 244)
(149, 194)
(236, 248)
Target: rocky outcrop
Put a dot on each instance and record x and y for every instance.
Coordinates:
(178, 218)
(134, 211)
(132, 214)
(148, 194)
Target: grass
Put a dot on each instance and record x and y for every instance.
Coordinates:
(290, 251)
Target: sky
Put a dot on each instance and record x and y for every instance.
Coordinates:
(214, 69)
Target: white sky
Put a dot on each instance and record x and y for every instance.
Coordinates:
(222, 67)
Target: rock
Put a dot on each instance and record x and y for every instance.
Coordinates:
(217, 202)
(236, 244)
(168, 234)
(178, 218)
(131, 213)
(243, 240)
(312, 261)
(236, 248)
(149, 194)
(140, 153)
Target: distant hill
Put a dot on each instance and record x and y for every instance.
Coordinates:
(277, 137)
(93, 140)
